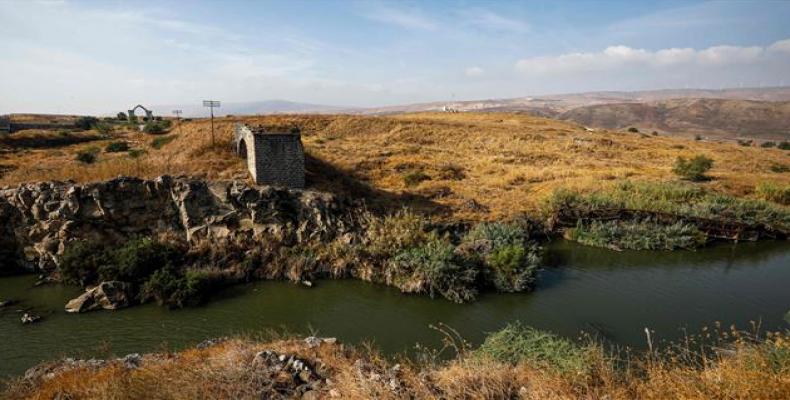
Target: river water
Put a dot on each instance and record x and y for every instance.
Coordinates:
(613, 295)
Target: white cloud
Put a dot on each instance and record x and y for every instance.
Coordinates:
(474, 71)
(405, 18)
(623, 57)
(490, 20)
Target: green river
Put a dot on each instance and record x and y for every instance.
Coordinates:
(613, 295)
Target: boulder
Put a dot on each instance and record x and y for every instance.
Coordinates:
(110, 295)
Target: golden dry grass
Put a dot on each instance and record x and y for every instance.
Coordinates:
(505, 162)
(747, 371)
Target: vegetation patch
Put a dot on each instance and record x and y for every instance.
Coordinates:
(693, 169)
(516, 344)
(156, 127)
(414, 178)
(161, 141)
(88, 156)
(637, 235)
(716, 214)
(117, 147)
(774, 192)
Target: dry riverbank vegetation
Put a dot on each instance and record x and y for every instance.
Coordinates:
(464, 166)
(514, 363)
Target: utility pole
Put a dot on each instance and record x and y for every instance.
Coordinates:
(211, 104)
(178, 119)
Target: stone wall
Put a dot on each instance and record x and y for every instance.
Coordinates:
(274, 157)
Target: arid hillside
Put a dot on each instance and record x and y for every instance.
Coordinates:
(468, 166)
(713, 117)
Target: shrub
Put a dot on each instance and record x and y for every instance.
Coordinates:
(745, 143)
(774, 192)
(783, 145)
(693, 169)
(388, 235)
(167, 287)
(139, 258)
(433, 268)
(103, 128)
(637, 235)
(768, 145)
(633, 130)
(85, 123)
(136, 153)
(515, 344)
(121, 116)
(512, 268)
(415, 177)
(87, 156)
(654, 133)
(81, 261)
(159, 142)
(510, 262)
(779, 168)
(156, 127)
(697, 137)
(117, 147)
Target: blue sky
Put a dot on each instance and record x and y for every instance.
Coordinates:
(101, 56)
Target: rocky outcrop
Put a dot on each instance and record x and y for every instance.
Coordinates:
(110, 295)
(37, 220)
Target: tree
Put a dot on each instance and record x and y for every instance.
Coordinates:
(693, 169)
(121, 116)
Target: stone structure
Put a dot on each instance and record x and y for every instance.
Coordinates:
(149, 115)
(275, 155)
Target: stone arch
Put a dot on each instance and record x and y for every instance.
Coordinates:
(241, 148)
(149, 115)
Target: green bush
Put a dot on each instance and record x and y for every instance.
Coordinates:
(102, 127)
(85, 123)
(117, 147)
(637, 235)
(156, 127)
(136, 153)
(783, 145)
(516, 344)
(414, 178)
(159, 142)
(87, 156)
(774, 192)
(633, 130)
(693, 169)
(512, 268)
(779, 168)
(121, 116)
(768, 145)
(745, 143)
(509, 261)
(167, 287)
(434, 269)
(137, 259)
(81, 261)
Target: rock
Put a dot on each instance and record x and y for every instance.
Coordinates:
(311, 395)
(30, 318)
(307, 283)
(39, 220)
(210, 342)
(6, 303)
(132, 361)
(312, 341)
(110, 295)
(334, 393)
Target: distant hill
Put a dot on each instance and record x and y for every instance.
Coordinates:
(759, 113)
(769, 120)
(248, 108)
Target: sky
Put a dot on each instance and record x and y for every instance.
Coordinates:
(106, 56)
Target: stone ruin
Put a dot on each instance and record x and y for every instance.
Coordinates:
(149, 115)
(274, 154)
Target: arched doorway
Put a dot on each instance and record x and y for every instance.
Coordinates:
(241, 149)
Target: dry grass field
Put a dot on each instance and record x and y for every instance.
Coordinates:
(464, 166)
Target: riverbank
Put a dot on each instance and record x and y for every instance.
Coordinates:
(611, 295)
(515, 362)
